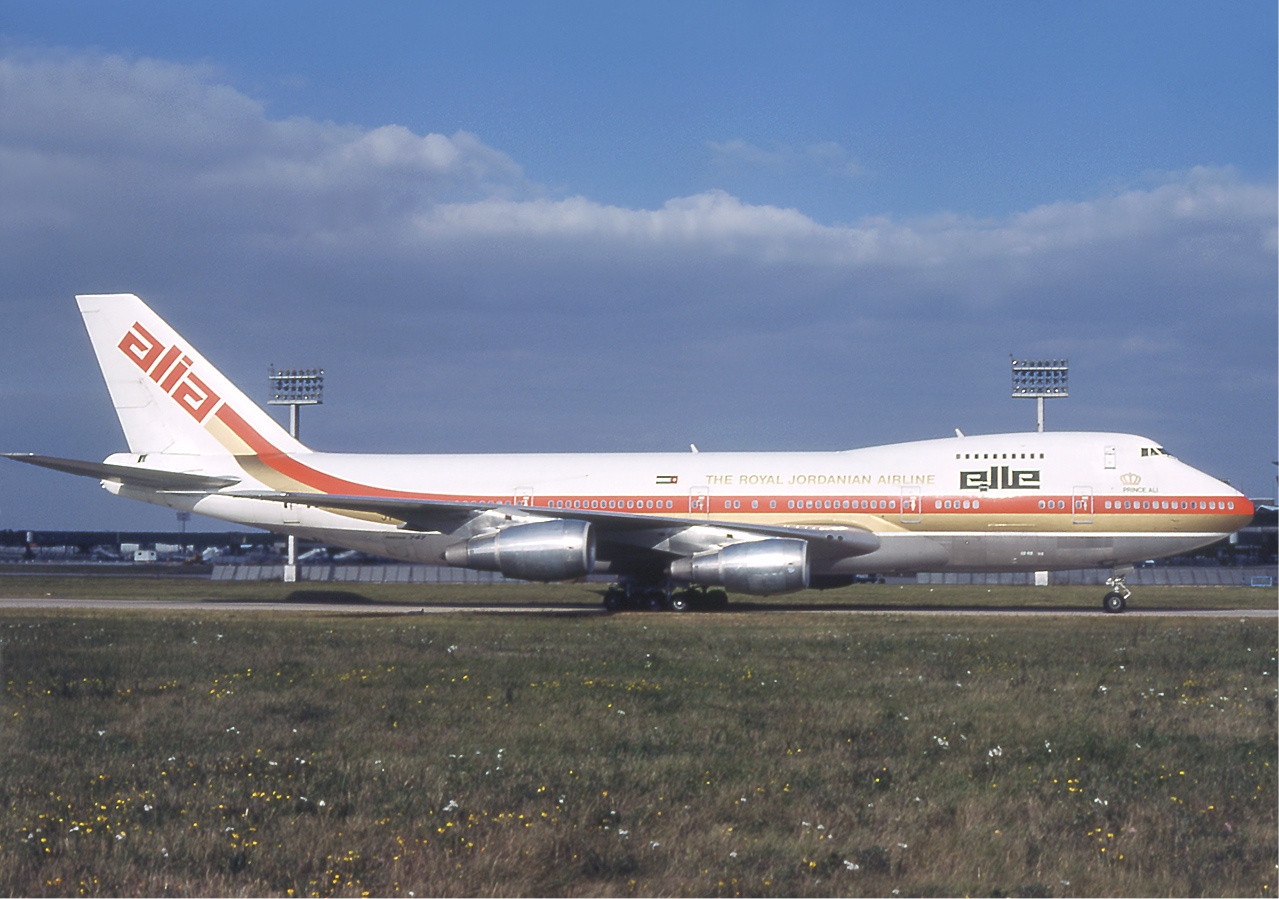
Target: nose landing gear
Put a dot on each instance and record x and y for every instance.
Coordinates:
(1117, 599)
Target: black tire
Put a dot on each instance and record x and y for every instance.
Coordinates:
(1114, 603)
(717, 599)
(680, 603)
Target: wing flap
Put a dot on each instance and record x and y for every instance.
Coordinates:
(148, 478)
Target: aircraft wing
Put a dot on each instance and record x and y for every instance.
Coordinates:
(148, 478)
(444, 516)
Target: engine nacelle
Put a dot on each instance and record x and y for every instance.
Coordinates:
(542, 551)
(776, 565)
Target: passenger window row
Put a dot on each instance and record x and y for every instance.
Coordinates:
(881, 505)
(946, 504)
(1210, 505)
(875, 504)
(609, 504)
(998, 456)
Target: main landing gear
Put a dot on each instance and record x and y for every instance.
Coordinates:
(628, 595)
(1117, 599)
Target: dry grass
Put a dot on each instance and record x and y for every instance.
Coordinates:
(215, 752)
(861, 596)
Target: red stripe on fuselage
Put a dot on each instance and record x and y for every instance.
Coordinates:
(1026, 505)
(292, 468)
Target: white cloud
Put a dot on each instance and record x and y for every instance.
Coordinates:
(1207, 219)
(735, 151)
(81, 130)
(146, 143)
(826, 157)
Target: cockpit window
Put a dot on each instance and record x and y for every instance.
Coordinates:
(1155, 451)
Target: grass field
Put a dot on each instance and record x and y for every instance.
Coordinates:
(233, 753)
(864, 596)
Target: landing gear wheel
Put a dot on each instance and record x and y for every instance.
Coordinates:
(1114, 602)
(621, 597)
(680, 603)
(654, 599)
(1117, 599)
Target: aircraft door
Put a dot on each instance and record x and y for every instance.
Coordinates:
(1081, 505)
(912, 505)
(699, 501)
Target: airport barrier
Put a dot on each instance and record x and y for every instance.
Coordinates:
(1167, 576)
(363, 574)
(444, 574)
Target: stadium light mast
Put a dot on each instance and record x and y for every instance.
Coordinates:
(295, 388)
(1041, 379)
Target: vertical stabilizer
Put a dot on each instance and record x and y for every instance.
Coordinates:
(168, 397)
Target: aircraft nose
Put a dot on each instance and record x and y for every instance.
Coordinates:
(1242, 506)
(1242, 503)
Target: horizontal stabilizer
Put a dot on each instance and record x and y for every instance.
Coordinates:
(148, 478)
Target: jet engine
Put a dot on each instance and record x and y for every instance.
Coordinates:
(541, 551)
(776, 565)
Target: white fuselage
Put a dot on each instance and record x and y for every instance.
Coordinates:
(1006, 502)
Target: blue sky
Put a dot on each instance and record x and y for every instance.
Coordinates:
(633, 226)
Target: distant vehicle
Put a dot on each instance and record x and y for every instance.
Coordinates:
(145, 555)
(668, 525)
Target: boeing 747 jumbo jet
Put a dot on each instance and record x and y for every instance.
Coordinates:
(668, 525)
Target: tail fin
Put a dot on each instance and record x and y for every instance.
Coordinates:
(168, 397)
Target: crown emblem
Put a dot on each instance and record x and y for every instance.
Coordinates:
(1129, 479)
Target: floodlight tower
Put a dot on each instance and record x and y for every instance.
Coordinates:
(295, 387)
(1041, 379)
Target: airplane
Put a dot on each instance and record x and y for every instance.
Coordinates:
(677, 530)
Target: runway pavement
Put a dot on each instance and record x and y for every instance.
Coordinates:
(374, 608)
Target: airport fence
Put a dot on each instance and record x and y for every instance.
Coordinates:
(1168, 576)
(1205, 576)
(363, 574)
